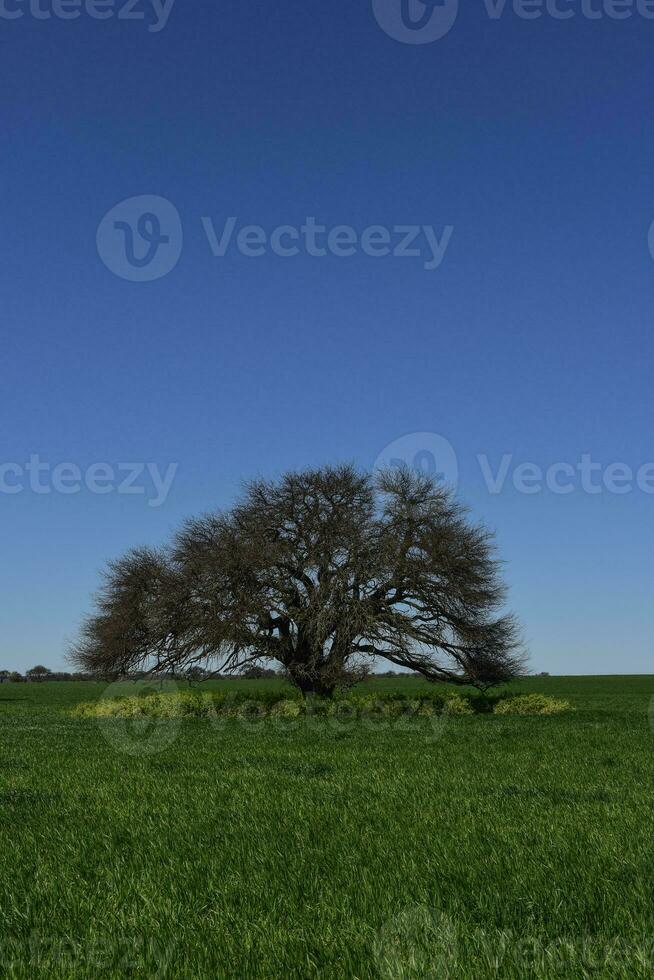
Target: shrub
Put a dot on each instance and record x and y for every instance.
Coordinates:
(396, 707)
(288, 704)
(457, 705)
(251, 711)
(531, 704)
(287, 709)
(343, 710)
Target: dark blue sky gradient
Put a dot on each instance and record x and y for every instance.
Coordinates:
(533, 338)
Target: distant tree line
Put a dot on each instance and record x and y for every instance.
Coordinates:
(41, 673)
(253, 672)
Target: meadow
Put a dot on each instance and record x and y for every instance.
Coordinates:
(473, 847)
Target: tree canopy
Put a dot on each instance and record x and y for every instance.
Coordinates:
(320, 572)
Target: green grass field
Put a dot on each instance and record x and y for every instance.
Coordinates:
(477, 847)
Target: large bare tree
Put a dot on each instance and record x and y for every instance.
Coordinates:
(321, 572)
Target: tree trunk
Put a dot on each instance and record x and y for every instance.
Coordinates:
(307, 669)
(316, 687)
(311, 683)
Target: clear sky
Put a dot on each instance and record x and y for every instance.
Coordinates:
(531, 338)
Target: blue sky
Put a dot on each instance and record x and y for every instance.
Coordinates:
(532, 339)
